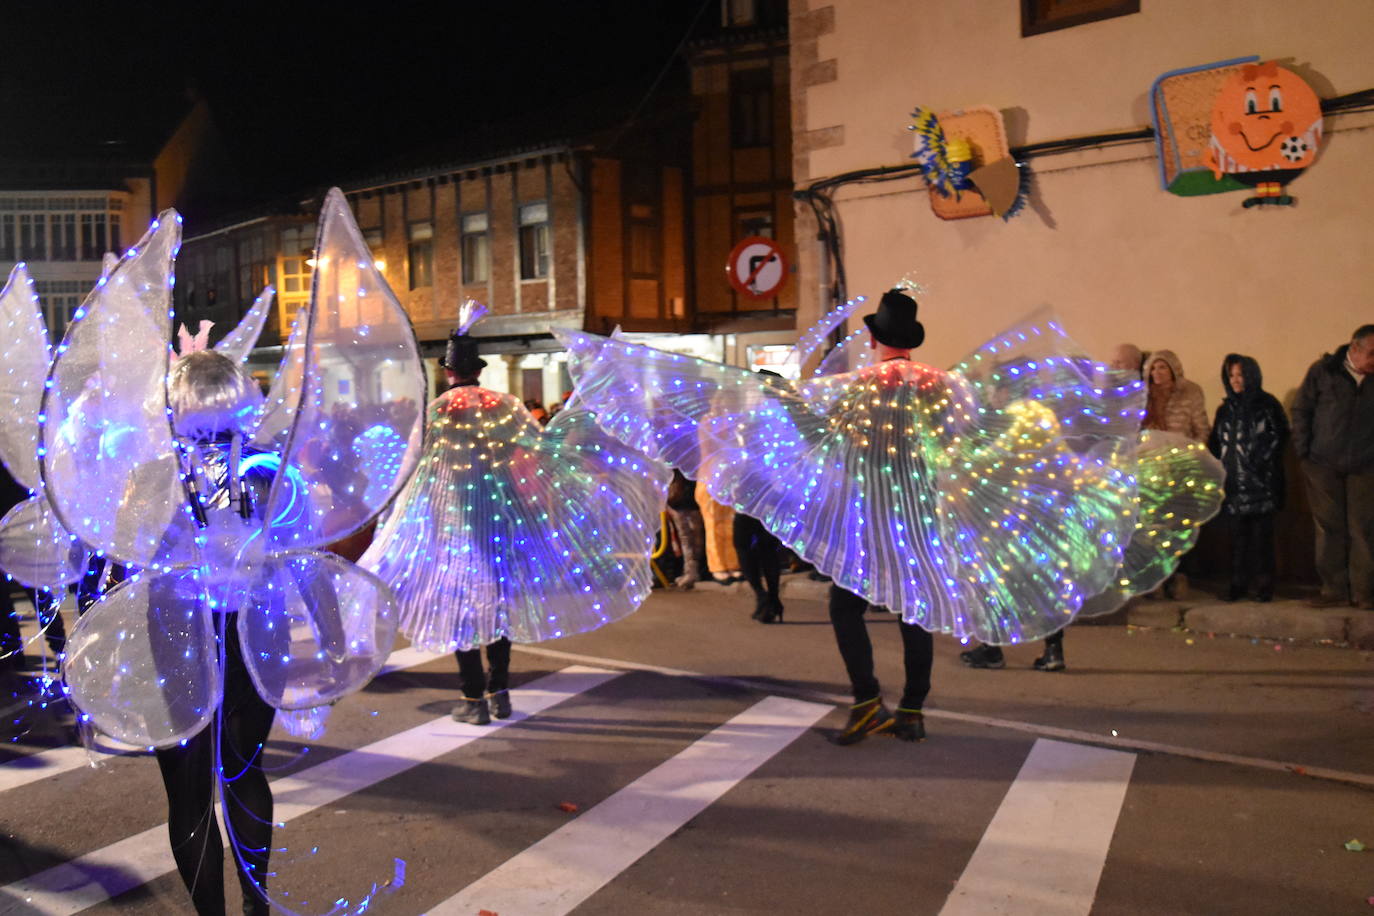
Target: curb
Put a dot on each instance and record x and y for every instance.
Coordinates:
(1282, 619)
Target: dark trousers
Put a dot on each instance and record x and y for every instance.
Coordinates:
(1252, 553)
(10, 641)
(851, 635)
(1343, 510)
(188, 774)
(759, 553)
(476, 682)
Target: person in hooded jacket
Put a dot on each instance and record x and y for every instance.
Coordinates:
(1248, 437)
(1175, 403)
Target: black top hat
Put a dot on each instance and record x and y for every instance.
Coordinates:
(460, 357)
(895, 324)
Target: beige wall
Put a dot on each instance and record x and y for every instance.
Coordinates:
(1115, 255)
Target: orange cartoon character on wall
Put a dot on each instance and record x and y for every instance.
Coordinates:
(1266, 126)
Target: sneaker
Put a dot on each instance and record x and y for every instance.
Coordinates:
(473, 712)
(500, 704)
(1052, 660)
(1326, 601)
(983, 657)
(908, 725)
(865, 719)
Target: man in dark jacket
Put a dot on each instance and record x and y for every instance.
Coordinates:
(1333, 434)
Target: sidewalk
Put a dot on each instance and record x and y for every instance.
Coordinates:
(1283, 618)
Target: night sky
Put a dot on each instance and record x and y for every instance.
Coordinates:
(311, 94)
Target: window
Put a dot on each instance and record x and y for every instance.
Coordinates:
(737, 13)
(1038, 16)
(92, 236)
(8, 238)
(33, 237)
(476, 248)
(420, 254)
(751, 107)
(534, 241)
(373, 239)
(64, 236)
(60, 299)
(754, 222)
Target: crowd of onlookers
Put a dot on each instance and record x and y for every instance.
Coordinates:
(1330, 426)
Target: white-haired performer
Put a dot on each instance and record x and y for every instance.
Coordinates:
(217, 503)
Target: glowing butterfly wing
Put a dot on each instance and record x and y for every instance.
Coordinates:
(241, 341)
(143, 664)
(107, 456)
(316, 628)
(36, 550)
(815, 336)
(1035, 360)
(359, 389)
(849, 354)
(24, 354)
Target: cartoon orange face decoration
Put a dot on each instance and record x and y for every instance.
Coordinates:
(1265, 118)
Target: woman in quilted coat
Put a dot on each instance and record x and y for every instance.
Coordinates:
(1248, 437)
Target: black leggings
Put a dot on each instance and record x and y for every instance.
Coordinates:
(188, 776)
(758, 552)
(475, 682)
(851, 633)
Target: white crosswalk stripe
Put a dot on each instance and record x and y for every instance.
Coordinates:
(565, 868)
(123, 866)
(1043, 853)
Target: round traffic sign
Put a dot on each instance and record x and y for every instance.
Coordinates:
(757, 268)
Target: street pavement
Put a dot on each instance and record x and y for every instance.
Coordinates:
(677, 762)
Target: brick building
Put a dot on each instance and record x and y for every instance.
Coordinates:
(620, 213)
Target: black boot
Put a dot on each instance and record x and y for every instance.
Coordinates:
(983, 657)
(909, 725)
(1053, 659)
(866, 718)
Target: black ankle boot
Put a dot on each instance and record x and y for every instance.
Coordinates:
(866, 718)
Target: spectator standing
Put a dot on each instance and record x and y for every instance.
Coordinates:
(1333, 434)
(686, 516)
(1248, 437)
(1175, 403)
(718, 523)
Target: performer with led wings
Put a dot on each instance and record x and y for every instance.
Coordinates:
(989, 501)
(216, 503)
(510, 531)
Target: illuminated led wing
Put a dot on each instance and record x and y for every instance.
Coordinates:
(1181, 488)
(239, 343)
(813, 340)
(1036, 360)
(849, 354)
(507, 529)
(36, 550)
(349, 407)
(143, 662)
(108, 458)
(314, 628)
(25, 354)
(894, 479)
